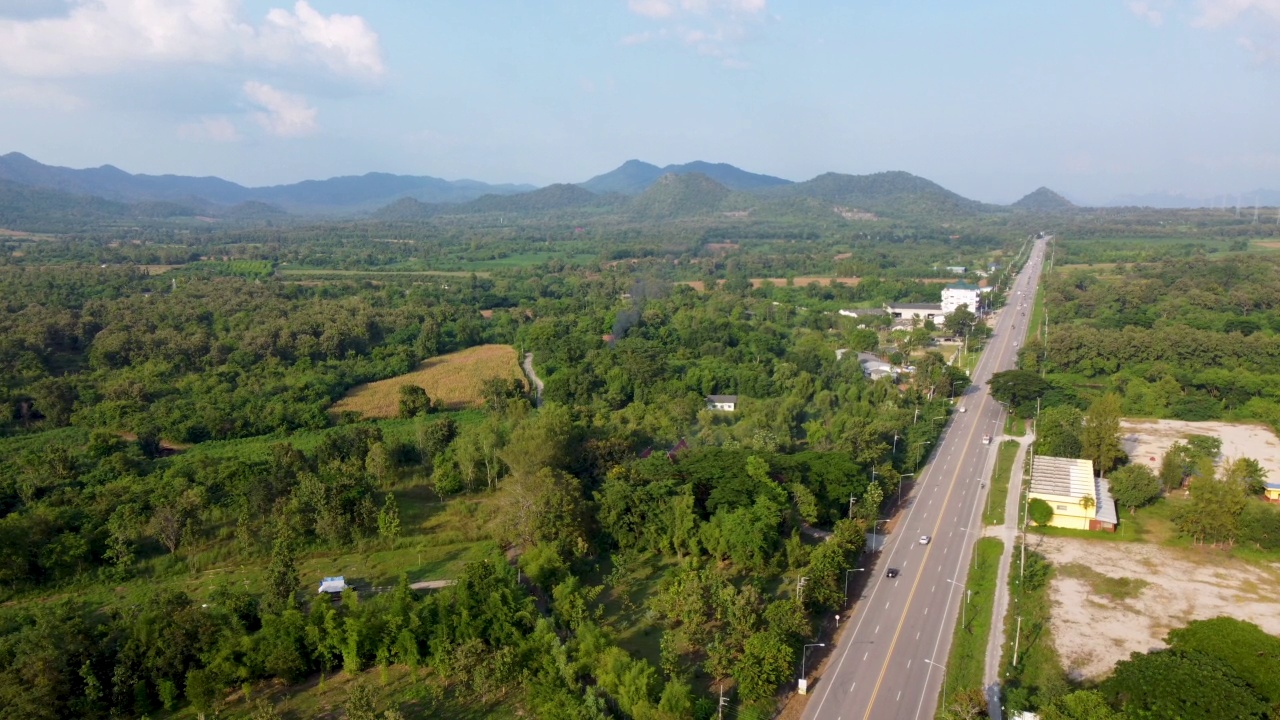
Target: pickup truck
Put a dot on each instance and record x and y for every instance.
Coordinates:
(986, 439)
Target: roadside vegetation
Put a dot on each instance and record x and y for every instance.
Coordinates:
(966, 663)
(1001, 477)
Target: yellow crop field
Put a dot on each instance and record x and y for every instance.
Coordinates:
(455, 379)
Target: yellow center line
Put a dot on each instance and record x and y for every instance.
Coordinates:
(929, 549)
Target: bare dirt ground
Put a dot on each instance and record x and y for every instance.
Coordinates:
(1146, 441)
(1093, 629)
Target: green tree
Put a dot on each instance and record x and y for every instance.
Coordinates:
(1253, 654)
(765, 664)
(1175, 685)
(389, 519)
(282, 572)
(1134, 486)
(434, 436)
(379, 464)
(359, 705)
(1100, 435)
(1040, 512)
(1080, 705)
(961, 321)
(1018, 388)
(414, 401)
(1058, 431)
(1213, 515)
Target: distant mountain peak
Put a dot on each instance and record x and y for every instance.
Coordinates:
(635, 176)
(1043, 199)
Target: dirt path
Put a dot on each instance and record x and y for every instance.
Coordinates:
(533, 378)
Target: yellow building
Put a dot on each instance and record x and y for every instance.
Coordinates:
(1079, 500)
(1272, 493)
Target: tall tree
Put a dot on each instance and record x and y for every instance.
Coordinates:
(1134, 486)
(282, 572)
(1100, 435)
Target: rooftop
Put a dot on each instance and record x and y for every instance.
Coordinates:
(1067, 477)
(960, 286)
(722, 398)
(915, 306)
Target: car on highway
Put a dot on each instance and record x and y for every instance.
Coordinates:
(961, 408)
(924, 539)
(892, 572)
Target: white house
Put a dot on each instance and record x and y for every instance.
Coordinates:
(333, 584)
(725, 403)
(961, 293)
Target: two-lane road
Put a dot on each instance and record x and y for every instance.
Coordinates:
(889, 664)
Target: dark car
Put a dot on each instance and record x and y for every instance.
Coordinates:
(893, 573)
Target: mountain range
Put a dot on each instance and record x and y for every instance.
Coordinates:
(339, 194)
(637, 190)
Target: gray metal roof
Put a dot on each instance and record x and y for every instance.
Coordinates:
(915, 306)
(1105, 508)
(722, 398)
(1067, 477)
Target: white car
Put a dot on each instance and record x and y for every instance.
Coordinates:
(924, 539)
(961, 408)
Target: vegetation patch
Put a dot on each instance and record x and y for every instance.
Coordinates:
(456, 380)
(1116, 588)
(1000, 477)
(1031, 666)
(967, 660)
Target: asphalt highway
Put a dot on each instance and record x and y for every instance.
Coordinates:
(889, 663)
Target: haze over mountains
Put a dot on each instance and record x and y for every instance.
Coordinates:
(636, 189)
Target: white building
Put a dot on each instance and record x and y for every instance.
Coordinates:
(915, 311)
(724, 403)
(961, 293)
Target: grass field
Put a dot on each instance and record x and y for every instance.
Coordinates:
(455, 379)
(966, 662)
(994, 514)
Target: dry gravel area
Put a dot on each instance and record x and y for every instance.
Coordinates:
(1147, 440)
(1092, 630)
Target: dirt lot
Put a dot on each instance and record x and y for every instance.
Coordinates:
(1099, 617)
(1147, 440)
(456, 379)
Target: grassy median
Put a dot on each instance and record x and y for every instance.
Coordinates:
(994, 514)
(1035, 676)
(969, 645)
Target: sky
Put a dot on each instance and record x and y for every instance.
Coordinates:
(992, 99)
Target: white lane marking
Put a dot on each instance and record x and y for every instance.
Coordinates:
(877, 632)
(886, 606)
(864, 657)
(908, 664)
(926, 611)
(917, 637)
(899, 695)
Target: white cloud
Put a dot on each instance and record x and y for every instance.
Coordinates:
(1144, 10)
(714, 28)
(103, 37)
(219, 129)
(1255, 22)
(283, 114)
(1220, 13)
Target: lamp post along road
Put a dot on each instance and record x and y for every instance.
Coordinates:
(803, 683)
(846, 582)
(943, 668)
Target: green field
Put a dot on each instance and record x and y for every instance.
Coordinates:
(967, 660)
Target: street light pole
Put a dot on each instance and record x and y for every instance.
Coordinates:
(962, 607)
(846, 581)
(804, 655)
(873, 533)
(943, 668)
(904, 475)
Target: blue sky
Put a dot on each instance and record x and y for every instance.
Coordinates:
(1094, 98)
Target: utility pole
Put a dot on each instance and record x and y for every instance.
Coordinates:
(1016, 639)
(723, 701)
(800, 589)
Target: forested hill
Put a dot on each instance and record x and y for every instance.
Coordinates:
(635, 176)
(888, 193)
(1043, 200)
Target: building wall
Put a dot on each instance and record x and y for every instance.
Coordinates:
(1067, 512)
(1272, 494)
(952, 299)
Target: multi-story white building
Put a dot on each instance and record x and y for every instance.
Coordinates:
(961, 293)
